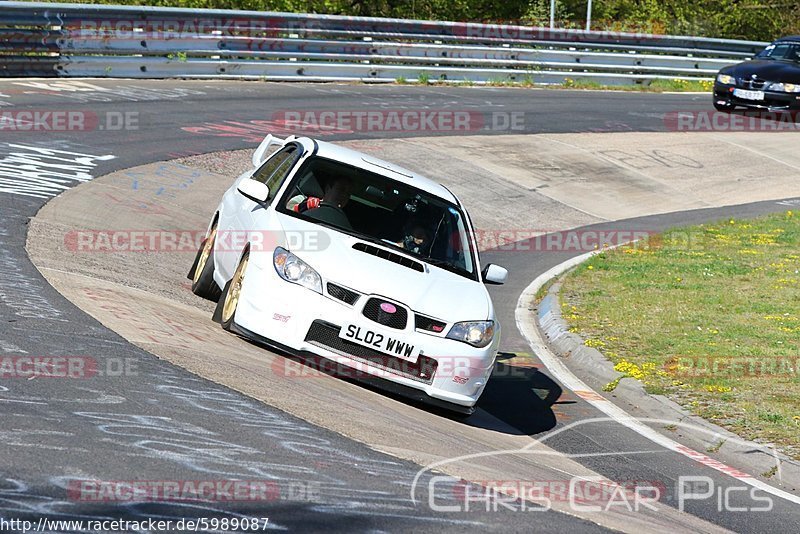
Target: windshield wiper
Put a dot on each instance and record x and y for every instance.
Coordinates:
(371, 239)
(447, 266)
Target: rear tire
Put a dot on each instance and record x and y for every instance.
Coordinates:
(203, 284)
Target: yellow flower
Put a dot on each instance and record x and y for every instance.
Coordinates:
(643, 373)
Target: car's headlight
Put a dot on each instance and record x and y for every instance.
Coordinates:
(476, 333)
(293, 269)
(726, 79)
(784, 87)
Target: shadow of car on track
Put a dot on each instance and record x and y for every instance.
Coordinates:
(520, 397)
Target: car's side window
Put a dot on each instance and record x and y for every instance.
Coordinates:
(276, 168)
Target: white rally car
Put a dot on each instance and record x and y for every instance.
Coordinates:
(326, 251)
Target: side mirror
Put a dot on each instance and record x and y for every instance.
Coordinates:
(254, 190)
(494, 274)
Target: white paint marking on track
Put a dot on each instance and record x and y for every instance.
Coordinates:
(758, 153)
(39, 172)
(525, 324)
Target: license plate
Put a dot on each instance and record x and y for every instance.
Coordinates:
(749, 95)
(380, 341)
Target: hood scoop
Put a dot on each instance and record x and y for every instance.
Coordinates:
(390, 256)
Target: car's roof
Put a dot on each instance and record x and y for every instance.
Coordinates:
(789, 38)
(384, 168)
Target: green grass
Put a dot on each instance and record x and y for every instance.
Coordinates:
(529, 81)
(179, 56)
(656, 86)
(708, 315)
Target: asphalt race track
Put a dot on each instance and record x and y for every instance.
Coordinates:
(162, 422)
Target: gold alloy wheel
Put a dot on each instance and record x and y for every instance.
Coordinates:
(235, 289)
(207, 248)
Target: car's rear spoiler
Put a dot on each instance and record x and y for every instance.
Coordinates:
(259, 154)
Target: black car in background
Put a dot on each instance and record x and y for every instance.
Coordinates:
(770, 81)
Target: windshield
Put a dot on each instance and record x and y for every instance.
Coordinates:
(382, 210)
(781, 51)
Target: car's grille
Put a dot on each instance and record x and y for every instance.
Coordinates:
(343, 294)
(753, 83)
(390, 256)
(386, 313)
(326, 335)
(426, 323)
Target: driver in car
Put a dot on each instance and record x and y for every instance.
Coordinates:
(335, 197)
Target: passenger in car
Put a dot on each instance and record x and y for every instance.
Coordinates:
(335, 197)
(416, 241)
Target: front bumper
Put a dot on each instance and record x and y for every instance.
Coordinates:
(275, 311)
(773, 101)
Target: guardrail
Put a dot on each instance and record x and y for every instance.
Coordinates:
(40, 39)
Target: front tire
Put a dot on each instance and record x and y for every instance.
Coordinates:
(727, 108)
(229, 300)
(203, 284)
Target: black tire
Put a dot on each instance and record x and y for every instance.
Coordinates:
(225, 312)
(203, 284)
(217, 316)
(727, 108)
(461, 416)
